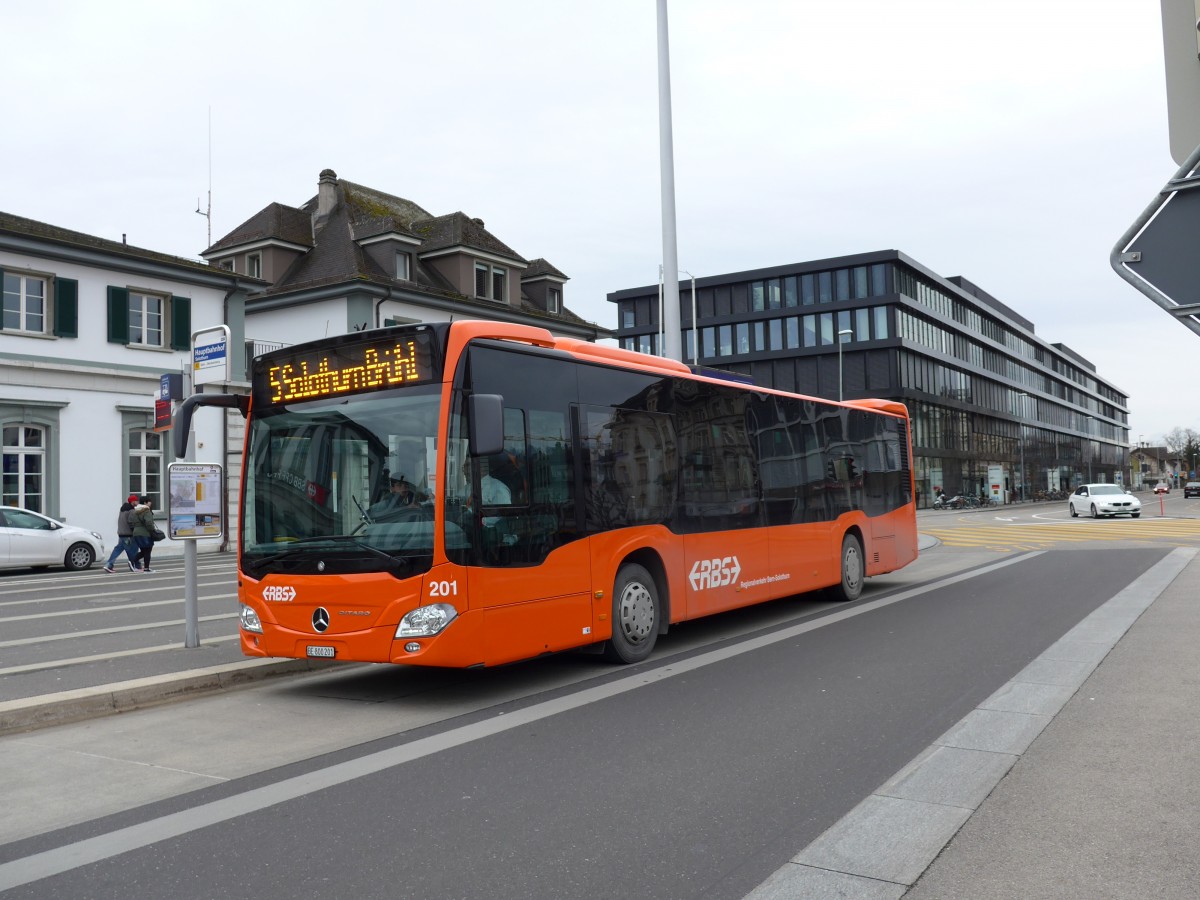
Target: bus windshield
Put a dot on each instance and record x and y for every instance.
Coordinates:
(342, 485)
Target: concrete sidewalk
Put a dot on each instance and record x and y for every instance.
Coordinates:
(1106, 801)
(1077, 779)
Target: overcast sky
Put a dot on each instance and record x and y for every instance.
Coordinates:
(1010, 143)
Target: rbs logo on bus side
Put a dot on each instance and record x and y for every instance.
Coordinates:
(714, 573)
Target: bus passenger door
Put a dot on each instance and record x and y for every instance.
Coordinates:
(532, 580)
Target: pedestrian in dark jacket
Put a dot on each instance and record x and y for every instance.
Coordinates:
(141, 520)
(125, 539)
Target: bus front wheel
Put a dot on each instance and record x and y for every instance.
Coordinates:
(851, 585)
(635, 614)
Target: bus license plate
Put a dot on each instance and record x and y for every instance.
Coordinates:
(324, 652)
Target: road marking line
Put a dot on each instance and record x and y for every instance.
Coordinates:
(100, 657)
(152, 587)
(23, 642)
(101, 609)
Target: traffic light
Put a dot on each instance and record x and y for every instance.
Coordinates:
(830, 472)
(851, 468)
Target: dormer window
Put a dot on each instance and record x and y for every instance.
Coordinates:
(491, 282)
(403, 261)
(554, 300)
(254, 265)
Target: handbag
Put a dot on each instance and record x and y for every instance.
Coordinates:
(157, 535)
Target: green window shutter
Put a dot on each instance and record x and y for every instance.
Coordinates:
(118, 315)
(181, 323)
(66, 307)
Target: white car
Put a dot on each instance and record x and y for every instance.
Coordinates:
(31, 539)
(1098, 500)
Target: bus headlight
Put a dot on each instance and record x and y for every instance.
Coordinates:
(426, 621)
(250, 621)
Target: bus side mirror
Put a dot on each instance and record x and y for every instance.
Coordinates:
(485, 419)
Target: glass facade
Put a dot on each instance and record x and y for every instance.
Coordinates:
(995, 410)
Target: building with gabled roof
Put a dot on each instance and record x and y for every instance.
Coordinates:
(89, 327)
(354, 258)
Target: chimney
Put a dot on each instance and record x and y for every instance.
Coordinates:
(326, 197)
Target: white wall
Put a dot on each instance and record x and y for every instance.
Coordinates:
(98, 381)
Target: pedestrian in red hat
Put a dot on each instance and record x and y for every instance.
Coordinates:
(125, 539)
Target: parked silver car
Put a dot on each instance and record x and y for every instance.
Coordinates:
(1099, 500)
(28, 539)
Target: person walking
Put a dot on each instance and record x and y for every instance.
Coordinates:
(141, 519)
(125, 539)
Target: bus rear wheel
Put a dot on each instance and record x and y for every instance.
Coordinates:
(851, 586)
(635, 613)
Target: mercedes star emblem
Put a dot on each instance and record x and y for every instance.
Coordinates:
(320, 619)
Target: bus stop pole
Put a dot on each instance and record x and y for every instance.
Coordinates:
(191, 615)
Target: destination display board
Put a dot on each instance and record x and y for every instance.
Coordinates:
(378, 363)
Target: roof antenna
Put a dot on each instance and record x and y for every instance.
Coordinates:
(207, 213)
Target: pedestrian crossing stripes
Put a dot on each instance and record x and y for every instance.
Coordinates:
(1012, 537)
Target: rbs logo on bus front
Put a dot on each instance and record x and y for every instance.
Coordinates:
(714, 573)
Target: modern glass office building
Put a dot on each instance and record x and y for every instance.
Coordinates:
(995, 409)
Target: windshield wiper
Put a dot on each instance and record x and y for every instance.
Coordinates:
(399, 563)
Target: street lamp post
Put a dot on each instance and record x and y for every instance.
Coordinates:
(1021, 442)
(695, 327)
(844, 331)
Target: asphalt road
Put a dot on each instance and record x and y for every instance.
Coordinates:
(696, 774)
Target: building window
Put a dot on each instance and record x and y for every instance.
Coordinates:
(842, 284)
(878, 279)
(490, 282)
(789, 291)
(862, 324)
(146, 319)
(775, 335)
(725, 340)
(554, 300)
(757, 298)
(793, 333)
(254, 265)
(136, 318)
(773, 299)
(226, 265)
(24, 303)
(860, 281)
(24, 476)
(808, 289)
(743, 337)
(402, 266)
(146, 465)
(843, 322)
(708, 342)
(825, 287)
(628, 316)
(881, 323)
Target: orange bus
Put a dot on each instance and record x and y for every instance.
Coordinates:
(473, 493)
